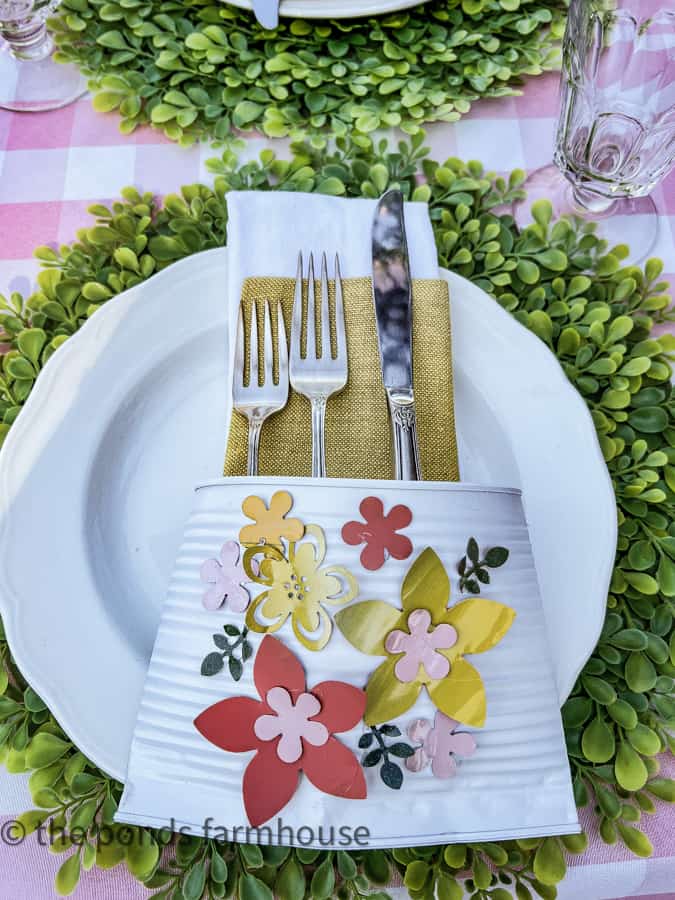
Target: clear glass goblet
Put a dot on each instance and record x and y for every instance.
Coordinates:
(616, 128)
(30, 79)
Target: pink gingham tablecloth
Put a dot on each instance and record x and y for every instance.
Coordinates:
(52, 167)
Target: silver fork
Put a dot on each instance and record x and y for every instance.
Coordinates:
(318, 375)
(259, 401)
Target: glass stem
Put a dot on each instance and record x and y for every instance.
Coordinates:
(591, 202)
(28, 39)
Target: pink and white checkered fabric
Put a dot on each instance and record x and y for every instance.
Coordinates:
(52, 167)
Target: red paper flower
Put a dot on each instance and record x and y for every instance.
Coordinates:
(378, 532)
(291, 729)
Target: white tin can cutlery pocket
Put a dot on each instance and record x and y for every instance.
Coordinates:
(361, 654)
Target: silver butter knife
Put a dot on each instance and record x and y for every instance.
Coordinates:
(267, 13)
(392, 294)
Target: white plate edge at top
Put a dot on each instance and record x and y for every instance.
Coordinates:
(67, 362)
(333, 9)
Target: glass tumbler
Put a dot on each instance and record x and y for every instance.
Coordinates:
(30, 79)
(616, 129)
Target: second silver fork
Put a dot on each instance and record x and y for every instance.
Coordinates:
(318, 375)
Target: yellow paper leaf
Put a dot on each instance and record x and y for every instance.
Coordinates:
(480, 624)
(460, 695)
(366, 625)
(426, 586)
(387, 697)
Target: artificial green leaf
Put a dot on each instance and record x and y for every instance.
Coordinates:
(68, 875)
(630, 770)
(597, 741)
(290, 885)
(252, 888)
(45, 749)
(549, 862)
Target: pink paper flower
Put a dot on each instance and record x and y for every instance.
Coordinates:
(225, 577)
(291, 722)
(439, 745)
(379, 533)
(420, 647)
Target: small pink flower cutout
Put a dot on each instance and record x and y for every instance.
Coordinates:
(379, 533)
(439, 745)
(420, 647)
(225, 577)
(291, 721)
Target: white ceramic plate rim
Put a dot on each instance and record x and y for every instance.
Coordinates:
(333, 9)
(66, 363)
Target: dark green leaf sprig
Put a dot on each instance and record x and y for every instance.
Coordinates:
(598, 316)
(472, 569)
(199, 68)
(390, 773)
(214, 662)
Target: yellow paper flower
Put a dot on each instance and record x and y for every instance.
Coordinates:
(425, 643)
(271, 524)
(298, 587)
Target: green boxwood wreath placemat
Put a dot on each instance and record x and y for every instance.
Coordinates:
(198, 68)
(597, 317)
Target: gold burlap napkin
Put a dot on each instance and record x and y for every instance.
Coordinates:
(358, 438)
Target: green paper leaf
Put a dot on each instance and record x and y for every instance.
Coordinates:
(212, 664)
(496, 556)
(391, 775)
(403, 751)
(372, 758)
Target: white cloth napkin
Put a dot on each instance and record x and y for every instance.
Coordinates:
(265, 231)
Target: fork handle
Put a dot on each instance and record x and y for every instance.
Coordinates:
(254, 428)
(318, 437)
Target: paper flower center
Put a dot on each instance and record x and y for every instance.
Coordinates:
(291, 723)
(420, 647)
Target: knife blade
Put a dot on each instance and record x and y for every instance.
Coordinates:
(392, 296)
(267, 13)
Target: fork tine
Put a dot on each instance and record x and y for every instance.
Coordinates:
(296, 321)
(239, 358)
(326, 351)
(340, 338)
(282, 348)
(268, 348)
(253, 349)
(311, 314)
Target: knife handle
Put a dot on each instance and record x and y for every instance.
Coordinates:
(404, 436)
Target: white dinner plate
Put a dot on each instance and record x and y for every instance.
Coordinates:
(97, 474)
(333, 9)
